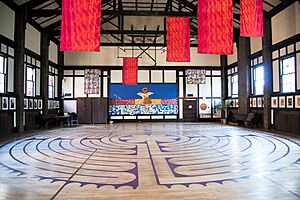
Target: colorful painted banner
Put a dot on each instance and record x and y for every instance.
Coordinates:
(178, 39)
(215, 27)
(80, 25)
(130, 71)
(252, 18)
(143, 99)
(195, 76)
(91, 81)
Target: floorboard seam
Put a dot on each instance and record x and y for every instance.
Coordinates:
(62, 187)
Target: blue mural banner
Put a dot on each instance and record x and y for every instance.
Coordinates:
(143, 99)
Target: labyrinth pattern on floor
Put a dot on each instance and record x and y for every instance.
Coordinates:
(137, 155)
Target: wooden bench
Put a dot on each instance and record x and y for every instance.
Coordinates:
(57, 120)
(244, 119)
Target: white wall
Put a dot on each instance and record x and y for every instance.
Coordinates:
(233, 58)
(7, 21)
(53, 52)
(286, 23)
(256, 44)
(32, 39)
(108, 56)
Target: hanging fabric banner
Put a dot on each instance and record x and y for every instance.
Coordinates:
(80, 25)
(91, 81)
(215, 27)
(130, 71)
(178, 39)
(252, 18)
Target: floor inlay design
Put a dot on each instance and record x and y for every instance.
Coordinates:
(183, 160)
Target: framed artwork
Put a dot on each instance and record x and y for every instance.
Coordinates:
(237, 103)
(30, 103)
(289, 101)
(254, 102)
(12, 103)
(297, 101)
(274, 102)
(25, 104)
(35, 101)
(40, 104)
(197, 76)
(57, 104)
(259, 102)
(251, 103)
(4, 103)
(281, 102)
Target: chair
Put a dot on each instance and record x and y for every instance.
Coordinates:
(73, 119)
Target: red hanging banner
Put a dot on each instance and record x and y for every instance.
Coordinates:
(178, 39)
(80, 25)
(252, 18)
(215, 27)
(130, 71)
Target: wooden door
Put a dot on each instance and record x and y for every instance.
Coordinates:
(103, 110)
(190, 111)
(96, 110)
(84, 109)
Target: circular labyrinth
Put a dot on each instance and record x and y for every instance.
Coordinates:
(121, 160)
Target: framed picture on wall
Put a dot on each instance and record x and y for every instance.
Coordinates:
(259, 102)
(251, 102)
(274, 102)
(254, 102)
(40, 104)
(35, 104)
(12, 103)
(297, 101)
(4, 103)
(57, 104)
(25, 104)
(30, 103)
(281, 102)
(290, 102)
(237, 103)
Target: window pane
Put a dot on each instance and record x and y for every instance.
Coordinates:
(1, 65)
(259, 87)
(29, 90)
(288, 83)
(288, 65)
(259, 73)
(2, 84)
(29, 74)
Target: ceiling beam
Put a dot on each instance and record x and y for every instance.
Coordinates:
(280, 7)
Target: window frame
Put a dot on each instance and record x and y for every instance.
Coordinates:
(281, 60)
(4, 73)
(254, 80)
(33, 80)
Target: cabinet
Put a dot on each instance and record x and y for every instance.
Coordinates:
(92, 110)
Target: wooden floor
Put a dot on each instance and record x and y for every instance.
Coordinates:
(151, 161)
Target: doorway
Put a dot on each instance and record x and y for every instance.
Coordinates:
(190, 111)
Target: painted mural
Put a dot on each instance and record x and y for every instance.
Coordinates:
(143, 99)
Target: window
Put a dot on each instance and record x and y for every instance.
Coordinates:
(2, 74)
(258, 80)
(51, 87)
(30, 86)
(235, 85)
(288, 75)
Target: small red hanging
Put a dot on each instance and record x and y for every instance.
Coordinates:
(130, 71)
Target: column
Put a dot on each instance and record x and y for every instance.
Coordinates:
(244, 74)
(20, 26)
(60, 79)
(267, 58)
(224, 76)
(45, 43)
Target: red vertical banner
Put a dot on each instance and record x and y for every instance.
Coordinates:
(178, 39)
(215, 27)
(251, 18)
(130, 71)
(80, 25)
